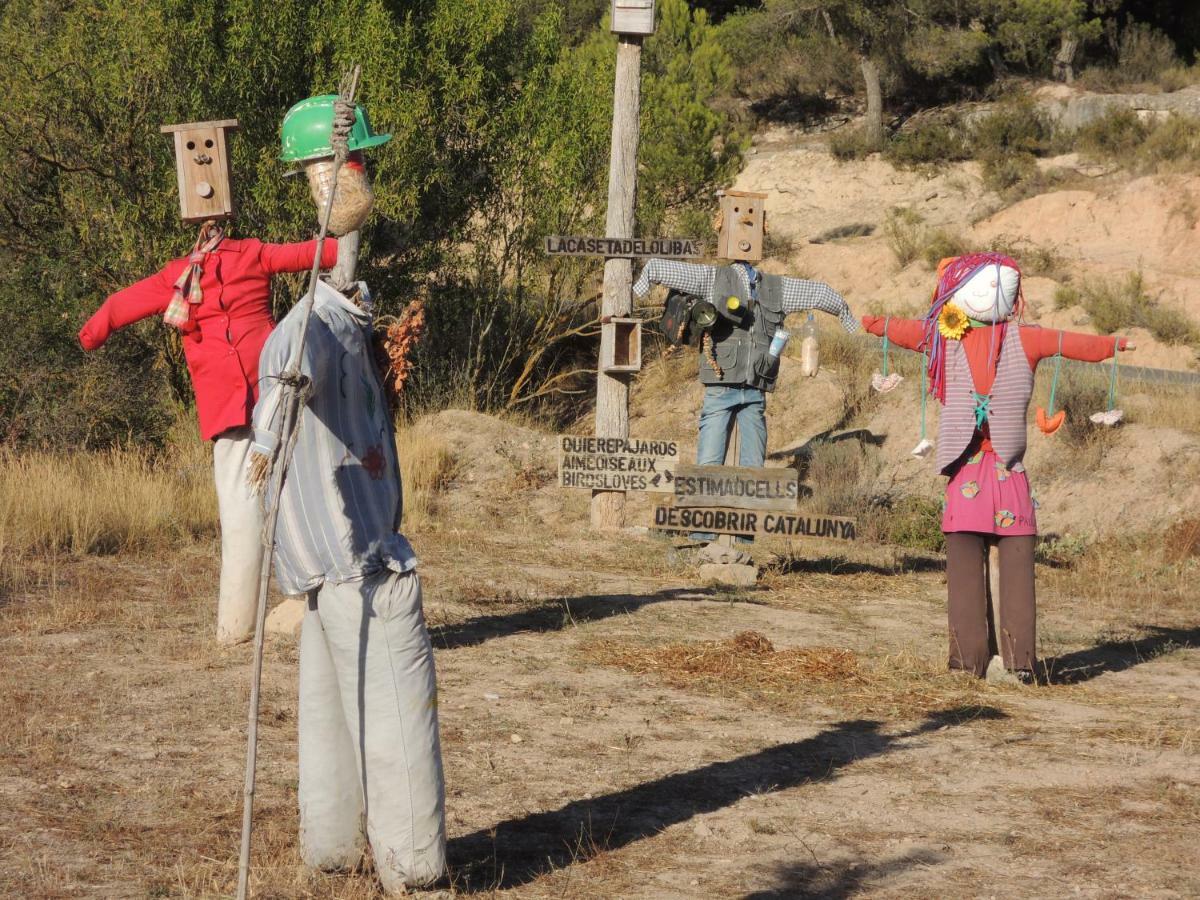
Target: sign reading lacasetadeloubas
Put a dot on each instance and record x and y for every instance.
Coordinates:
(582, 245)
(616, 464)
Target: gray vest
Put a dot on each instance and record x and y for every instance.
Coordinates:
(741, 348)
(1007, 408)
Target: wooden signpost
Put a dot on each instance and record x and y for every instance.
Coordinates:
(737, 500)
(617, 464)
(738, 487)
(753, 522)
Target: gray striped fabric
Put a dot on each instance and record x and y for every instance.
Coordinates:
(698, 280)
(340, 506)
(1007, 411)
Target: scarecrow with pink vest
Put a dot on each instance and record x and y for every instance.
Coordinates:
(981, 364)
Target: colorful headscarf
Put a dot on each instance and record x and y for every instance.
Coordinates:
(953, 272)
(187, 291)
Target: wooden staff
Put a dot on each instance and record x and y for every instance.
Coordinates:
(294, 392)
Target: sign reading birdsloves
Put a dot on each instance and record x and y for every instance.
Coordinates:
(739, 487)
(753, 522)
(616, 464)
(669, 248)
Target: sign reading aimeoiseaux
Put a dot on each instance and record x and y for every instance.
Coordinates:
(616, 464)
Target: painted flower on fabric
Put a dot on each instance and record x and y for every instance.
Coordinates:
(953, 322)
(1002, 472)
(976, 459)
(374, 462)
(970, 489)
(1004, 518)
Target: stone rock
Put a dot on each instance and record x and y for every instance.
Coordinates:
(285, 619)
(730, 573)
(997, 674)
(724, 554)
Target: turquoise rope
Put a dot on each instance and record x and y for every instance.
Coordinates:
(1112, 380)
(1058, 358)
(885, 345)
(924, 393)
(982, 404)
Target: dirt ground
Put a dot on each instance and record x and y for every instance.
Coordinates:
(586, 757)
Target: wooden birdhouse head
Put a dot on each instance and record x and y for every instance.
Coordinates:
(202, 164)
(743, 224)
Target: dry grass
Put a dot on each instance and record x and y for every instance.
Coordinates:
(749, 668)
(427, 466)
(109, 502)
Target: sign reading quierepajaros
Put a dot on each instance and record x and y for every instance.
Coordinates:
(616, 464)
(738, 487)
(753, 522)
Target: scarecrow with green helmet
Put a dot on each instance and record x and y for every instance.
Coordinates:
(368, 696)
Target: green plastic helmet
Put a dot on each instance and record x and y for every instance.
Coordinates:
(308, 125)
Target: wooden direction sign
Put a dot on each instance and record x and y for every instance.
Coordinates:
(671, 248)
(753, 522)
(616, 464)
(738, 487)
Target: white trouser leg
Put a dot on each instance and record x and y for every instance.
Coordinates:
(331, 835)
(241, 536)
(375, 631)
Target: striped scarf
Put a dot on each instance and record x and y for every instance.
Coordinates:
(187, 292)
(952, 273)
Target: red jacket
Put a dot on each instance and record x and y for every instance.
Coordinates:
(233, 321)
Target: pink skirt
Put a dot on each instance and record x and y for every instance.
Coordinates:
(987, 497)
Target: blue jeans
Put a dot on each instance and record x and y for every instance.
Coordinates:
(722, 407)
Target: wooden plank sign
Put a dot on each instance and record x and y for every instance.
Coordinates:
(616, 464)
(737, 487)
(671, 248)
(754, 522)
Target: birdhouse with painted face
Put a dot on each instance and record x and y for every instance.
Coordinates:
(203, 167)
(743, 225)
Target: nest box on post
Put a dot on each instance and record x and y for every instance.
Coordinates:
(620, 345)
(202, 164)
(632, 16)
(743, 223)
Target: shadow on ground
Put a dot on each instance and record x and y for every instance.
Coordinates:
(520, 850)
(1116, 655)
(553, 615)
(840, 565)
(837, 880)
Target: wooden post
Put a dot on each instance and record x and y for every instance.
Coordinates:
(612, 390)
(341, 277)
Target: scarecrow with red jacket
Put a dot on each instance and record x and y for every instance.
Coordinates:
(218, 297)
(981, 365)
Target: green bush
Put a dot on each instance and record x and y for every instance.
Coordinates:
(927, 142)
(905, 233)
(1117, 135)
(1035, 259)
(941, 244)
(914, 523)
(1121, 304)
(1175, 138)
(1017, 126)
(1066, 296)
(852, 143)
(1009, 173)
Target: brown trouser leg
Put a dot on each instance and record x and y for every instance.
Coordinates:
(1018, 603)
(973, 635)
(966, 589)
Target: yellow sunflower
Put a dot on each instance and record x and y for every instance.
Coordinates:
(953, 322)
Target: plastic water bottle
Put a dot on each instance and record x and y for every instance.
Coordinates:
(809, 355)
(779, 341)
